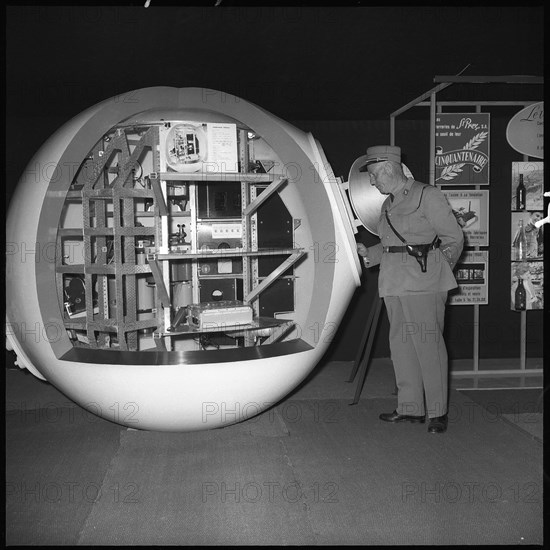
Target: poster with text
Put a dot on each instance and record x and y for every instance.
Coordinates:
(525, 131)
(473, 279)
(532, 280)
(189, 147)
(462, 148)
(533, 236)
(533, 180)
(471, 210)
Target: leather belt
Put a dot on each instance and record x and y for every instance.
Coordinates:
(401, 249)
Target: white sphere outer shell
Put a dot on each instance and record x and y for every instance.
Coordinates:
(164, 397)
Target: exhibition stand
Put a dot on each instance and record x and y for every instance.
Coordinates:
(478, 176)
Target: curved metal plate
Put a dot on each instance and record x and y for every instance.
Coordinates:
(365, 198)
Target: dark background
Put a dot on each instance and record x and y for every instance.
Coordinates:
(337, 72)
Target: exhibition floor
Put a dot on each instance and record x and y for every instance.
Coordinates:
(311, 470)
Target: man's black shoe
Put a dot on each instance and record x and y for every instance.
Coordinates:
(396, 417)
(438, 425)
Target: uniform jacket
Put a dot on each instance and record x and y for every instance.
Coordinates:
(419, 212)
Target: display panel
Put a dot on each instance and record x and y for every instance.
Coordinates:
(471, 210)
(472, 276)
(462, 148)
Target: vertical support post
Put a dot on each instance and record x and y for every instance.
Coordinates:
(194, 240)
(130, 294)
(432, 137)
(476, 337)
(166, 273)
(523, 324)
(254, 262)
(245, 221)
(245, 200)
(88, 283)
(158, 217)
(164, 248)
(523, 341)
(392, 129)
(102, 280)
(100, 181)
(164, 224)
(476, 306)
(119, 277)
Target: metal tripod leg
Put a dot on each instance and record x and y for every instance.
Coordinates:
(361, 348)
(370, 331)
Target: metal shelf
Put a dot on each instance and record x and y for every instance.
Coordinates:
(257, 324)
(110, 217)
(225, 253)
(142, 214)
(110, 269)
(248, 177)
(215, 276)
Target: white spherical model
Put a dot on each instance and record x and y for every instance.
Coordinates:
(177, 259)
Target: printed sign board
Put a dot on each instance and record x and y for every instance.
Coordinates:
(189, 147)
(532, 279)
(473, 279)
(525, 131)
(462, 149)
(533, 179)
(471, 210)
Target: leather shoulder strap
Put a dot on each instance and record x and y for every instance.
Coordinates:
(418, 189)
(393, 228)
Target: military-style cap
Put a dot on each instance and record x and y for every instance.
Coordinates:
(381, 153)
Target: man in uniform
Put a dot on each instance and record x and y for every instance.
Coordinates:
(421, 242)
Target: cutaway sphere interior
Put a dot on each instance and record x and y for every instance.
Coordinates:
(177, 259)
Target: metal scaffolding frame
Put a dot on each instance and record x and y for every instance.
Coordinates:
(436, 107)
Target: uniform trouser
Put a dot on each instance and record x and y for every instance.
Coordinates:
(418, 352)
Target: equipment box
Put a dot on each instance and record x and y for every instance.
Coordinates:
(222, 314)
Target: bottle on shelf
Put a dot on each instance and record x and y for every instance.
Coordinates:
(520, 300)
(519, 244)
(520, 194)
